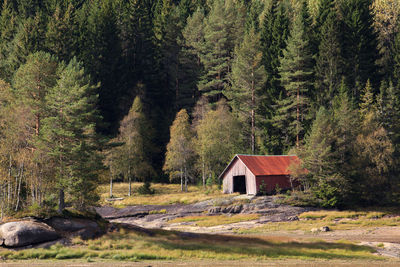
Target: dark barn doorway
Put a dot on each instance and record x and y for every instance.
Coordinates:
(239, 184)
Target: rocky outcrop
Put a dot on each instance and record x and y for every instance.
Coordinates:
(85, 228)
(23, 233)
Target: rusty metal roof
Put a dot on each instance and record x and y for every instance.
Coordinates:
(265, 165)
(268, 165)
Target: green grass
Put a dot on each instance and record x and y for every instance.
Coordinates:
(208, 221)
(130, 245)
(165, 194)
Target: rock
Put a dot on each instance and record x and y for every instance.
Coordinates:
(214, 210)
(1, 241)
(85, 228)
(24, 233)
(237, 209)
(70, 225)
(324, 229)
(293, 218)
(314, 230)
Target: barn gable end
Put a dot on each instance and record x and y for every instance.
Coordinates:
(258, 172)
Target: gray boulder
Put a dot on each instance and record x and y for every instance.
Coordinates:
(70, 225)
(24, 233)
(85, 228)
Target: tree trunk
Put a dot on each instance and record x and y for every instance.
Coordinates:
(9, 183)
(298, 119)
(130, 186)
(181, 180)
(19, 187)
(61, 203)
(204, 175)
(111, 186)
(253, 119)
(186, 181)
(130, 181)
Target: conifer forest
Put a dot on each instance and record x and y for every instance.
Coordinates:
(170, 90)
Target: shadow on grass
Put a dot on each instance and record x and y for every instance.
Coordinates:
(258, 247)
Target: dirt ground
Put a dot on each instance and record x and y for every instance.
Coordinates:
(204, 263)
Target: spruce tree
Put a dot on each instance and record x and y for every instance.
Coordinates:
(359, 45)
(329, 61)
(61, 33)
(8, 25)
(247, 78)
(28, 39)
(274, 32)
(319, 158)
(100, 51)
(296, 73)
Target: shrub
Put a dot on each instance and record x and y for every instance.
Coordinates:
(146, 189)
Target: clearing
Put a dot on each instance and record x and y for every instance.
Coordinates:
(203, 228)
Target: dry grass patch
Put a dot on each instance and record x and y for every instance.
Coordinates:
(165, 194)
(335, 220)
(134, 245)
(208, 221)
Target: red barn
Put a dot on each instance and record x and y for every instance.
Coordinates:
(248, 174)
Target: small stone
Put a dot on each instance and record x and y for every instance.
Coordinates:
(324, 229)
(315, 230)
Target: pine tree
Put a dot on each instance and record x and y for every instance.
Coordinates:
(179, 149)
(296, 73)
(247, 78)
(222, 32)
(68, 135)
(193, 34)
(33, 80)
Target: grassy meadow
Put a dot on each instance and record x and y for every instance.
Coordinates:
(137, 245)
(165, 194)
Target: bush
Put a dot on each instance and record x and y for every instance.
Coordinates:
(146, 189)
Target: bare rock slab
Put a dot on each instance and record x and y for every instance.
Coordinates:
(24, 233)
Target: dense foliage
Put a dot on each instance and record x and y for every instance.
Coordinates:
(318, 77)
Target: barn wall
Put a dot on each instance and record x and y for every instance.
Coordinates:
(272, 180)
(237, 168)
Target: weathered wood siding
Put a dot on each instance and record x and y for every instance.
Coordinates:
(237, 168)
